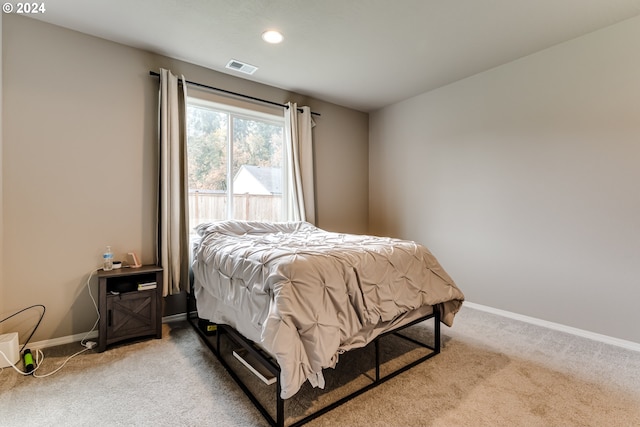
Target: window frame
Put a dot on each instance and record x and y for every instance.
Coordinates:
(235, 108)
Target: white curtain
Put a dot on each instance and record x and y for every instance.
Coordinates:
(172, 240)
(298, 124)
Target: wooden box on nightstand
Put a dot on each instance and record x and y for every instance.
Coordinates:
(125, 311)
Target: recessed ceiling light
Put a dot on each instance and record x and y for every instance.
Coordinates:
(272, 36)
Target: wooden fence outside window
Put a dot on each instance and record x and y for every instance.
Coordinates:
(208, 207)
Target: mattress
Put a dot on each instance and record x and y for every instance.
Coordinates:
(306, 295)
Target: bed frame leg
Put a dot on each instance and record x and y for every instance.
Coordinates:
(279, 405)
(377, 346)
(436, 330)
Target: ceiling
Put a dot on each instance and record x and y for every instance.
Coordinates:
(362, 54)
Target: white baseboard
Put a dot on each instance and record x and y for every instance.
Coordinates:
(174, 318)
(92, 335)
(629, 345)
(62, 340)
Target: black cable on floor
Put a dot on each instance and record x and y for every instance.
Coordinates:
(37, 324)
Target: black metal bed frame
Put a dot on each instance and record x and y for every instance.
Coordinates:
(274, 369)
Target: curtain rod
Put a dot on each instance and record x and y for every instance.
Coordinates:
(153, 73)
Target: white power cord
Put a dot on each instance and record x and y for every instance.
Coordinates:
(91, 344)
(38, 363)
(88, 345)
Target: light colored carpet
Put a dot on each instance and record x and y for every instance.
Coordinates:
(492, 371)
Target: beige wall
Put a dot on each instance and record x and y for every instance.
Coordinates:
(79, 163)
(524, 180)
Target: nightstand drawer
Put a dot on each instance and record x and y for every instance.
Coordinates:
(131, 314)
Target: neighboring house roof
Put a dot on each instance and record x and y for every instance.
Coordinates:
(258, 180)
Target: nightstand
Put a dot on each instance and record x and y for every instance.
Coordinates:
(129, 305)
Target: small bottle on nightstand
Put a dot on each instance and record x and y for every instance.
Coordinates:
(108, 259)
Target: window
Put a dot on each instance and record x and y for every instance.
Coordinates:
(236, 163)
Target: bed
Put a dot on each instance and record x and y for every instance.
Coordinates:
(304, 295)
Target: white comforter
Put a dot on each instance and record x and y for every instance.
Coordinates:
(306, 295)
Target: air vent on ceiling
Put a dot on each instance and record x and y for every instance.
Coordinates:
(241, 66)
